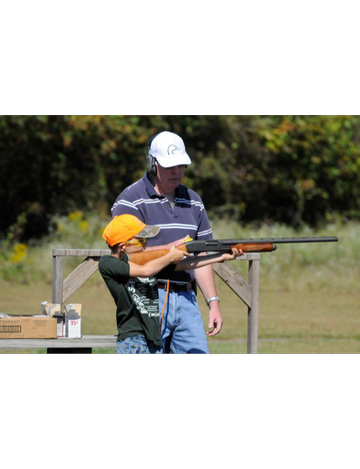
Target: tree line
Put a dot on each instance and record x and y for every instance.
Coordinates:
(288, 169)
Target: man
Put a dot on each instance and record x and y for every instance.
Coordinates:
(160, 199)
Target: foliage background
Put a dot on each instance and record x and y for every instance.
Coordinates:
(294, 170)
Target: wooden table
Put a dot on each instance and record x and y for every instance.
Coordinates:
(63, 344)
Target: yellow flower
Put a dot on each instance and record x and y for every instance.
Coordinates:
(84, 226)
(76, 215)
(20, 251)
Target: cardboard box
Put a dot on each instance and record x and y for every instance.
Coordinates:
(48, 309)
(28, 327)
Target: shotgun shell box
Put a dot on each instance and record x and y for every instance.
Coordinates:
(60, 319)
(73, 320)
(28, 327)
(54, 310)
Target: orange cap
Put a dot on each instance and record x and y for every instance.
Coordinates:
(124, 227)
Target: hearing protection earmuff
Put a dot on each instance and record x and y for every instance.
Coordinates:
(150, 160)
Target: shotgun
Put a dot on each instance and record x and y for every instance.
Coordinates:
(226, 245)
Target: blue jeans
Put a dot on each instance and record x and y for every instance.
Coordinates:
(182, 328)
(136, 344)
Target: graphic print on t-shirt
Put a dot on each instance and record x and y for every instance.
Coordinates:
(145, 295)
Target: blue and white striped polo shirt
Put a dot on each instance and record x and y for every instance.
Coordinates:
(188, 217)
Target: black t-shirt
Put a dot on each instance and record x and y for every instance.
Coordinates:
(136, 299)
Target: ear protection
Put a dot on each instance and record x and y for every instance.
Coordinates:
(150, 160)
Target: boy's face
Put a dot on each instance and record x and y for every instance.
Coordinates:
(135, 245)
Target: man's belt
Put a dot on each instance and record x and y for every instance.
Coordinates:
(176, 287)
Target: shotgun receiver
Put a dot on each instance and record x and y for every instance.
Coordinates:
(226, 245)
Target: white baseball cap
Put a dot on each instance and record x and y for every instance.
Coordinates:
(169, 150)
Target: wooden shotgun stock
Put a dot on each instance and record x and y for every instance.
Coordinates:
(143, 257)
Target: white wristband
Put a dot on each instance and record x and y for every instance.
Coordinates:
(213, 298)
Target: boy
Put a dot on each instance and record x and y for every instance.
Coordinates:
(134, 287)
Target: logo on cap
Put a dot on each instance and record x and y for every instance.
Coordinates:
(171, 149)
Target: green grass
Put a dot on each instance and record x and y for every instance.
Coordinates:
(291, 346)
(309, 294)
(291, 322)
